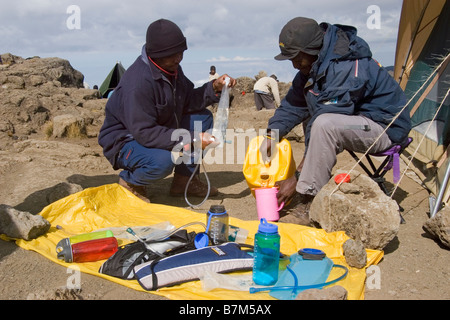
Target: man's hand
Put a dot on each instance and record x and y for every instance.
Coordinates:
(286, 189)
(220, 82)
(208, 140)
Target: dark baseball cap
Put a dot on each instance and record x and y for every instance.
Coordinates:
(300, 34)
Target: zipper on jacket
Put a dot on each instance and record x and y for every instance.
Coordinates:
(174, 90)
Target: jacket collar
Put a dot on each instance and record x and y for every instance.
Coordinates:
(156, 73)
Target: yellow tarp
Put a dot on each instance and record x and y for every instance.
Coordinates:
(113, 206)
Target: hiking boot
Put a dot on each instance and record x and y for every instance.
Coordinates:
(138, 191)
(196, 187)
(299, 210)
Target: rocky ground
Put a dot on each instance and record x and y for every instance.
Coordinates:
(48, 149)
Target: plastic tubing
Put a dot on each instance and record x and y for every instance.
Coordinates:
(195, 206)
(178, 229)
(297, 287)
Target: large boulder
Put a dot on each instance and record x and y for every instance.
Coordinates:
(359, 208)
(21, 224)
(439, 226)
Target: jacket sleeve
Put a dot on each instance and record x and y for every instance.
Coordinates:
(199, 98)
(293, 109)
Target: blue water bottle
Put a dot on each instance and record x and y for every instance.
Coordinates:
(266, 254)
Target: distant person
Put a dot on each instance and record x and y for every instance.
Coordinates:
(345, 98)
(266, 93)
(213, 75)
(95, 87)
(145, 115)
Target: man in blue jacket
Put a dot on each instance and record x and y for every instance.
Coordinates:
(344, 99)
(153, 112)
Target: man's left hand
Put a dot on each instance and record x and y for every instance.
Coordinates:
(286, 189)
(220, 82)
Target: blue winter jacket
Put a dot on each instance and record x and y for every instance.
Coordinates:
(345, 80)
(147, 107)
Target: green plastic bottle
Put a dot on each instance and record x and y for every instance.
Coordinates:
(266, 254)
(91, 236)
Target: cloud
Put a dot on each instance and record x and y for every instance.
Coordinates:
(235, 31)
(206, 24)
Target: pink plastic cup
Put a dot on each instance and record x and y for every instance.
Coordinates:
(267, 203)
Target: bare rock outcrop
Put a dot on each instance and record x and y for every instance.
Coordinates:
(34, 91)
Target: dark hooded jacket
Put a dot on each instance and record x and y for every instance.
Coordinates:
(148, 107)
(345, 80)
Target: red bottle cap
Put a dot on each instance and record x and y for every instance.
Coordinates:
(342, 177)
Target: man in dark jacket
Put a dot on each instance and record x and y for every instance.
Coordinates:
(344, 99)
(154, 111)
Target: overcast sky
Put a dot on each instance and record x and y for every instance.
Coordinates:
(238, 37)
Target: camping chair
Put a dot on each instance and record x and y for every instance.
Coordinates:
(391, 161)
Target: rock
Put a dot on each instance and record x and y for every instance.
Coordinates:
(8, 58)
(68, 125)
(20, 224)
(261, 74)
(245, 84)
(333, 293)
(13, 82)
(355, 254)
(62, 190)
(439, 226)
(363, 211)
(34, 91)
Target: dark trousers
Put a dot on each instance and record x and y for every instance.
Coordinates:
(264, 100)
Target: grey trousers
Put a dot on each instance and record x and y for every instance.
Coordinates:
(264, 101)
(330, 135)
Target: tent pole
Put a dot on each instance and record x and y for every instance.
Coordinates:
(437, 205)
